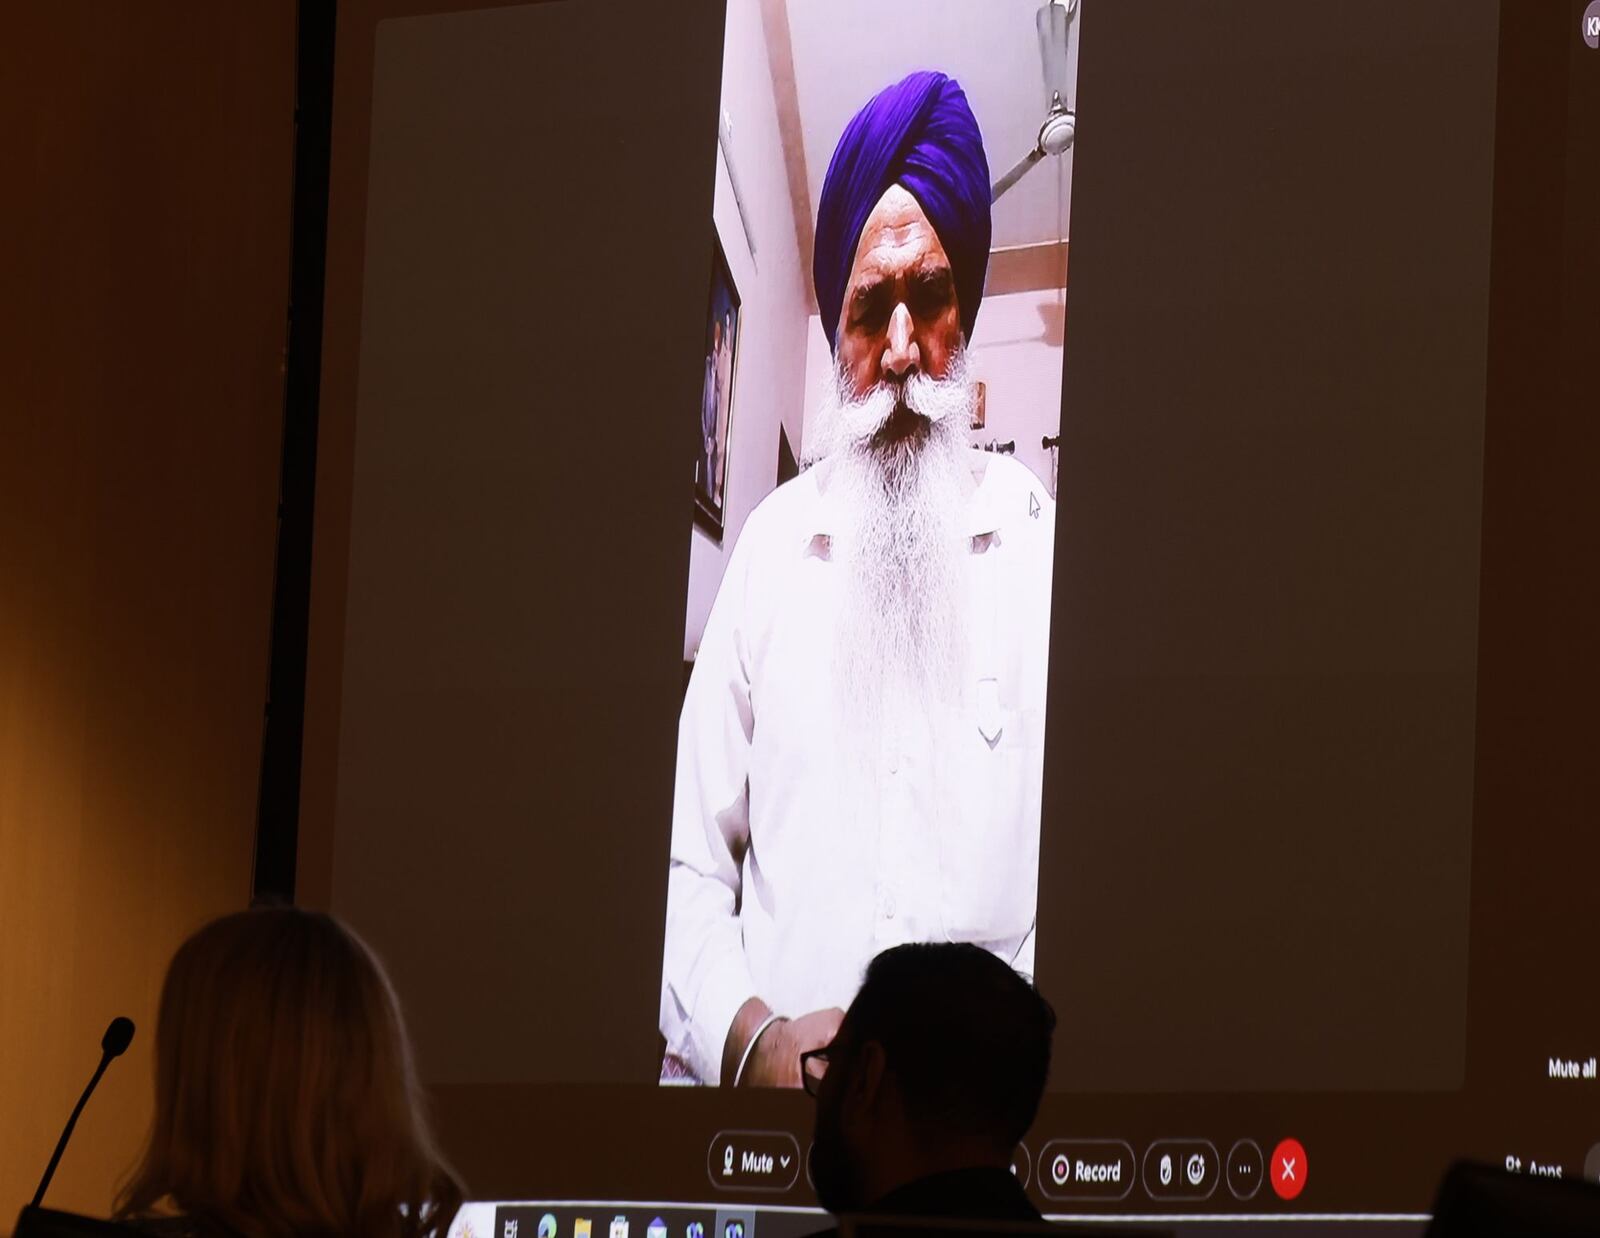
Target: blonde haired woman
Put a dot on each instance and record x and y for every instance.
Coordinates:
(286, 1098)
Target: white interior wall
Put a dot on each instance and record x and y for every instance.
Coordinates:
(771, 359)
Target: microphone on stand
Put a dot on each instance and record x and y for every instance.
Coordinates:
(119, 1035)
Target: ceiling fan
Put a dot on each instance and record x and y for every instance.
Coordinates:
(1054, 22)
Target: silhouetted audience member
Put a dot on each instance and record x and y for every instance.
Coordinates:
(932, 1080)
(286, 1098)
(1485, 1201)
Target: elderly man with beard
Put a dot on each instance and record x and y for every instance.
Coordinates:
(860, 749)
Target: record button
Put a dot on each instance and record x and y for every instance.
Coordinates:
(1087, 1169)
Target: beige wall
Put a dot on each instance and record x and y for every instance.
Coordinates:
(145, 260)
(772, 283)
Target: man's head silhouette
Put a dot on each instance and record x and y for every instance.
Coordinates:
(938, 1066)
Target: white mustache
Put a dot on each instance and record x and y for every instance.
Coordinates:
(856, 422)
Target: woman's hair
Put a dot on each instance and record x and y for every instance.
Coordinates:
(286, 1097)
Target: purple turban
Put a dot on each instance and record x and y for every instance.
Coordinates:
(920, 134)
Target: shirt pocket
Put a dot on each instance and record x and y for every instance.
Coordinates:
(989, 834)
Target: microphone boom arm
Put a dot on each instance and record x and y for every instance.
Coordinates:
(113, 1044)
(66, 1133)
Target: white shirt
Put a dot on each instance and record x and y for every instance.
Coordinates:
(780, 885)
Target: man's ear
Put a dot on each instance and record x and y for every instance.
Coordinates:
(867, 1075)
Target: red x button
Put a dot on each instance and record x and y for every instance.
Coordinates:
(1288, 1172)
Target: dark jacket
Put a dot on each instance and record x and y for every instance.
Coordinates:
(989, 1194)
(992, 1199)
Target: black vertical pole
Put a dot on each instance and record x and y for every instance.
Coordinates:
(278, 800)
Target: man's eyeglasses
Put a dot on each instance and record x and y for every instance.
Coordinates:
(813, 1066)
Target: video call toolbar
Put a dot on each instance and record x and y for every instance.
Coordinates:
(1067, 1170)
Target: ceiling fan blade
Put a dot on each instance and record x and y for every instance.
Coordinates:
(1054, 23)
(1015, 175)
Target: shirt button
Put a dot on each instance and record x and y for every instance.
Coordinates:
(889, 907)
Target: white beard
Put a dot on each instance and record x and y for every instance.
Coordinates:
(901, 640)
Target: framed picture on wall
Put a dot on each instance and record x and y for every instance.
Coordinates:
(716, 397)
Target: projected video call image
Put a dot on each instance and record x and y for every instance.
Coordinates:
(860, 749)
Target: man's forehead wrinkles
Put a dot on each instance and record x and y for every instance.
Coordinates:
(906, 233)
(884, 261)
